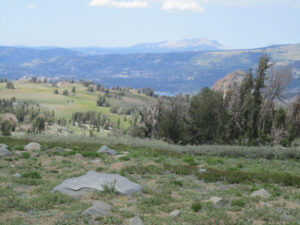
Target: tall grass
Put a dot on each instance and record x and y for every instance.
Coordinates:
(266, 152)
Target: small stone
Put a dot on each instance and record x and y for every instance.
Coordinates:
(3, 146)
(53, 150)
(32, 146)
(96, 161)
(106, 150)
(17, 175)
(78, 155)
(175, 213)
(261, 193)
(4, 152)
(136, 221)
(217, 201)
(98, 209)
(202, 170)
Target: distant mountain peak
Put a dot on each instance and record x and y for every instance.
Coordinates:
(196, 42)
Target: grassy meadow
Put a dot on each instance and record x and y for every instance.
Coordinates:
(169, 177)
(65, 106)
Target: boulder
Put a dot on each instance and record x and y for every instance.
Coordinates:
(32, 147)
(96, 181)
(202, 170)
(175, 213)
(261, 193)
(136, 221)
(106, 150)
(4, 152)
(98, 209)
(3, 146)
(217, 201)
(17, 175)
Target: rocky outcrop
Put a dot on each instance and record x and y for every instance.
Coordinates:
(229, 82)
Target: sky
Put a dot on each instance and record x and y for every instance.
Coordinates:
(112, 23)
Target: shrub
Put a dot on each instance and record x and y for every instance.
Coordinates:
(32, 174)
(99, 169)
(196, 206)
(26, 155)
(238, 202)
(124, 158)
(233, 177)
(177, 183)
(110, 188)
(10, 85)
(66, 93)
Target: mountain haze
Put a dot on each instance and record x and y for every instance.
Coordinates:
(171, 73)
(198, 44)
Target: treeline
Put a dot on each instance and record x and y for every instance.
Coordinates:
(250, 114)
(13, 113)
(96, 120)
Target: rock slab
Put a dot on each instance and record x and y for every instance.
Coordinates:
(32, 146)
(96, 181)
(106, 150)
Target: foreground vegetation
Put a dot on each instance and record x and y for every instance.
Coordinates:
(170, 178)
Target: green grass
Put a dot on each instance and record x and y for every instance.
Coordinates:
(169, 177)
(63, 106)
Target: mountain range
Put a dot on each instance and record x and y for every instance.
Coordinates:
(198, 44)
(167, 72)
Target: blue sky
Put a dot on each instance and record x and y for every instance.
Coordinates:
(107, 23)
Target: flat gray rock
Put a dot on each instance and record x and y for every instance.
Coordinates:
(98, 209)
(136, 221)
(95, 181)
(32, 146)
(106, 150)
(4, 152)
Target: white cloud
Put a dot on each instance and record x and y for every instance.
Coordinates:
(119, 4)
(31, 6)
(182, 5)
(247, 3)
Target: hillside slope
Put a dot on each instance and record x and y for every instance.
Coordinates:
(168, 72)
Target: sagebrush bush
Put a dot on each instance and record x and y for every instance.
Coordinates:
(196, 206)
